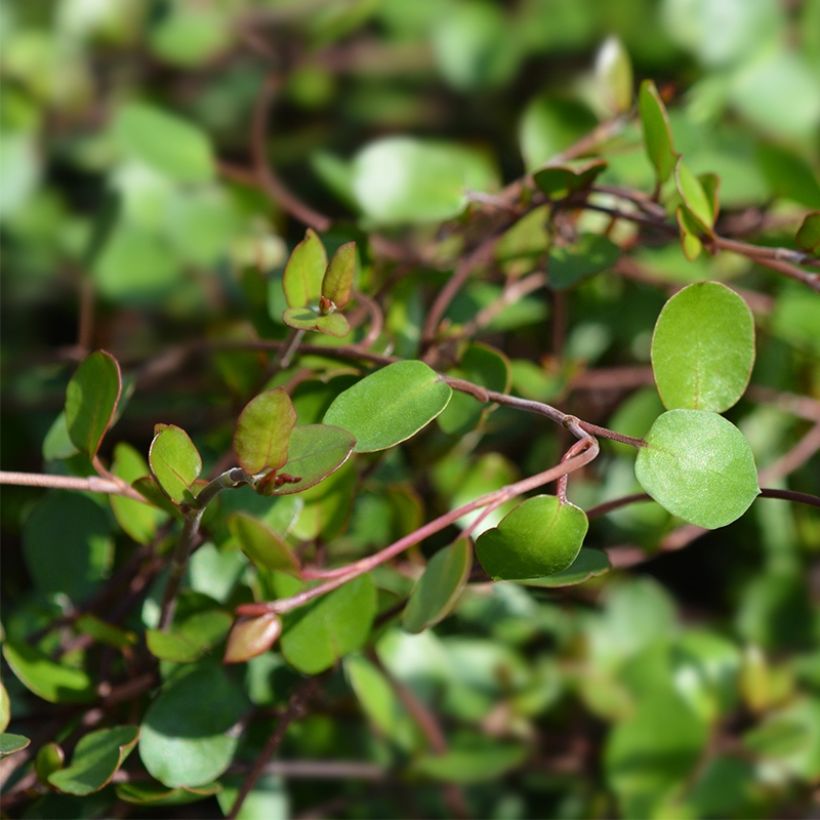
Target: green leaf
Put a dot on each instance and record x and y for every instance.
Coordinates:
(5, 708)
(550, 125)
(91, 401)
(710, 183)
(703, 348)
(262, 545)
(305, 271)
(251, 637)
(57, 443)
(174, 460)
(48, 679)
(808, 235)
(263, 431)
(96, 758)
(138, 520)
(169, 144)
(309, 318)
(589, 563)
(315, 451)
(191, 639)
(613, 74)
(341, 275)
(317, 636)
(50, 758)
(475, 763)
(698, 466)
(67, 545)
(437, 591)
(541, 536)
(189, 35)
(153, 794)
(700, 205)
(571, 264)
(428, 181)
(390, 405)
(267, 799)
(559, 181)
(10, 743)
(657, 133)
(689, 231)
(186, 737)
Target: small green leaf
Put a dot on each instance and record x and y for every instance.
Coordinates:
(559, 181)
(48, 679)
(5, 708)
(657, 134)
(96, 758)
(613, 73)
(153, 794)
(689, 231)
(186, 737)
(169, 144)
(698, 466)
(390, 405)
(474, 763)
(341, 274)
(9, 744)
(549, 126)
(703, 348)
(189, 640)
(91, 401)
(437, 591)
(137, 519)
(174, 460)
(711, 187)
(251, 637)
(262, 545)
(571, 264)
(808, 235)
(263, 431)
(315, 452)
(57, 443)
(589, 563)
(541, 536)
(320, 634)
(103, 632)
(50, 758)
(304, 272)
(699, 203)
(309, 318)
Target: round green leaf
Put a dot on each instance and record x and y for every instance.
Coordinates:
(589, 563)
(437, 591)
(45, 677)
(10, 743)
(174, 461)
(703, 348)
(91, 401)
(542, 536)
(405, 180)
(185, 736)
(261, 544)
(698, 466)
(657, 134)
(96, 758)
(304, 271)
(318, 635)
(341, 274)
(169, 144)
(263, 431)
(390, 405)
(251, 637)
(315, 451)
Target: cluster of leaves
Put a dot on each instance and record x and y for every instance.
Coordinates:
(304, 516)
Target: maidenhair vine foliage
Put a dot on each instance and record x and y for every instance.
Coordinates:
(445, 481)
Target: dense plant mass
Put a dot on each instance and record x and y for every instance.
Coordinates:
(411, 409)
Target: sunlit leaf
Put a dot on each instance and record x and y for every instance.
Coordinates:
(657, 133)
(589, 563)
(263, 431)
(174, 460)
(48, 679)
(262, 545)
(11, 743)
(613, 75)
(700, 205)
(91, 401)
(304, 271)
(250, 637)
(339, 279)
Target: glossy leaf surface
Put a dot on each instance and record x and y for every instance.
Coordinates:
(91, 401)
(262, 545)
(138, 520)
(309, 318)
(700, 205)
(263, 431)
(703, 348)
(174, 460)
(389, 405)
(657, 133)
(698, 466)
(189, 640)
(540, 537)
(340, 277)
(49, 680)
(589, 563)
(11, 743)
(250, 637)
(302, 279)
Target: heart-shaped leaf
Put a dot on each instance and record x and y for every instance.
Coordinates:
(251, 637)
(657, 133)
(262, 545)
(174, 460)
(698, 466)
(390, 405)
(315, 452)
(541, 536)
(96, 759)
(91, 401)
(437, 591)
(304, 271)
(808, 235)
(341, 274)
(559, 181)
(589, 563)
(703, 348)
(700, 204)
(263, 431)
(309, 318)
